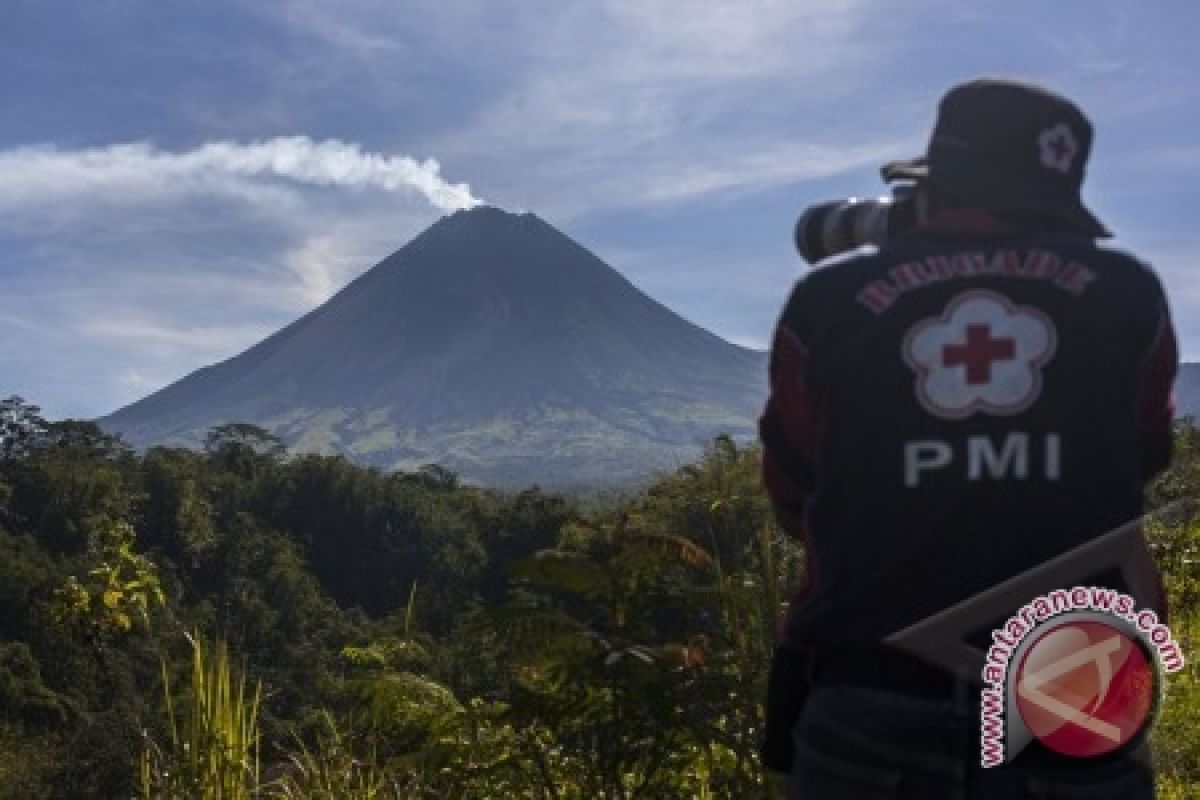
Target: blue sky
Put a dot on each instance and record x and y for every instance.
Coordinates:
(179, 179)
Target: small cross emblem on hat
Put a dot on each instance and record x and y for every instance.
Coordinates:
(1058, 147)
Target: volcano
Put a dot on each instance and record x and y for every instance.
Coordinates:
(491, 344)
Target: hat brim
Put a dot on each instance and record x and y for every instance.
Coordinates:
(1075, 213)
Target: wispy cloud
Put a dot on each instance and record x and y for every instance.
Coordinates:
(134, 380)
(324, 260)
(762, 170)
(666, 105)
(166, 340)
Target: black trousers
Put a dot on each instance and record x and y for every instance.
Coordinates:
(917, 739)
(856, 743)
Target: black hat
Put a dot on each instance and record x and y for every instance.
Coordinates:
(1008, 147)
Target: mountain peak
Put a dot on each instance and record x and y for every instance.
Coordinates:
(492, 344)
(491, 221)
(520, 249)
(485, 211)
(489, 215)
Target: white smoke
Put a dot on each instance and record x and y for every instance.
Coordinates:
(31, 172)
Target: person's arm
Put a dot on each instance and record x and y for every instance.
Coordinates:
(1157, 405)
(787, 691)
(789, 429)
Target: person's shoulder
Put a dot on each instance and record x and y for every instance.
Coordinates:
(1126, 257)
(1120, 263)
(827, 288)
(829, 273)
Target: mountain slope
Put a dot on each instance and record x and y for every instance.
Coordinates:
(1187, 391)
(492, 344)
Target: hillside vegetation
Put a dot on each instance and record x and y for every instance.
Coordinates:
(237, 622)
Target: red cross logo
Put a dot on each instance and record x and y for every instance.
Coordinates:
(1058, 147)
(982, 354)
(1061, 147)
(979, 353)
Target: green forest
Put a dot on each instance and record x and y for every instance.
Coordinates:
(241, 622)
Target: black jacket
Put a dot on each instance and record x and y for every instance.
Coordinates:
(956, 407)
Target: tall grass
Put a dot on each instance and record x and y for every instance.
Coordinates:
(212, 750)
(332, 771)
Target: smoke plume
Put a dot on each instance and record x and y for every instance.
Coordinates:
(38, 171)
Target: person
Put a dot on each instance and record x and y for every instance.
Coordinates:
(948, 410)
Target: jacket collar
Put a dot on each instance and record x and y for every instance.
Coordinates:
(967, 222)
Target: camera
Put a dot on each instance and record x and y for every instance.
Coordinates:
(827, 229)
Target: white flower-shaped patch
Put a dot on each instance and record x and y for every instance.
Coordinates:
(1058, 147)
(983, 354)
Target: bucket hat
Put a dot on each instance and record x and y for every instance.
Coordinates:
(1008, 147)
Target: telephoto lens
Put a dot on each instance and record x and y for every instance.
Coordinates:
(827, 229)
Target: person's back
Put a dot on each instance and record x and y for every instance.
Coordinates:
(979, 393)
(954, 408)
